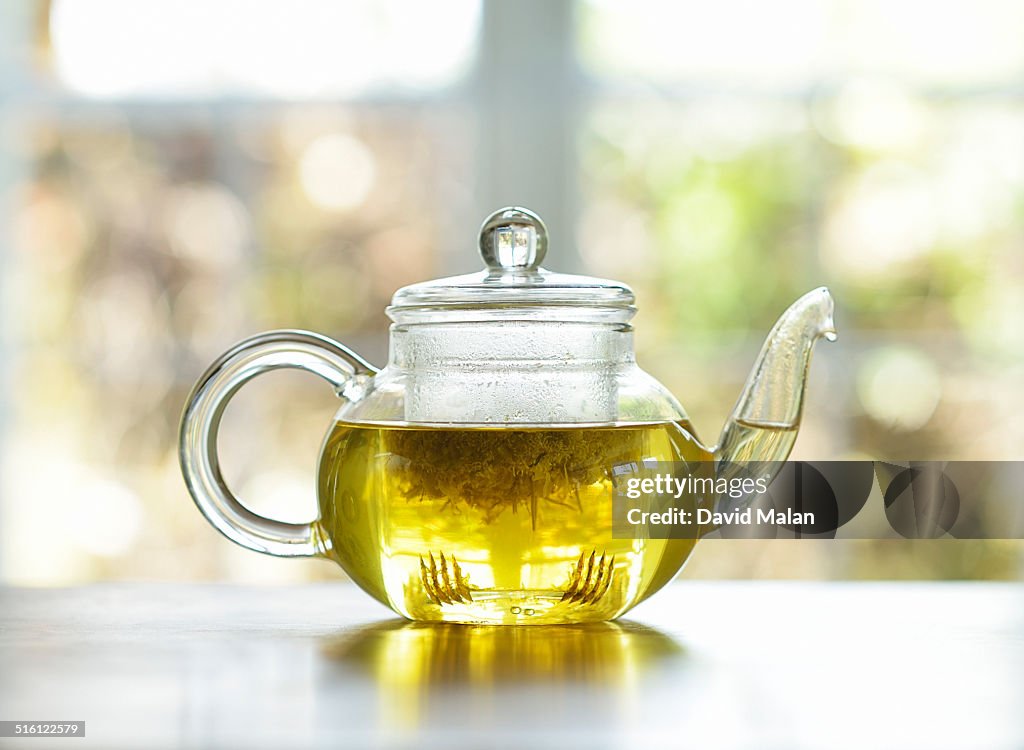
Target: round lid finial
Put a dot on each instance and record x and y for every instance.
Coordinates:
(513, 239)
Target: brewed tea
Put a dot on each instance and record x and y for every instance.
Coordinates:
(509, 525)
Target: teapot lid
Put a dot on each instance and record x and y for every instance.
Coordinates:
(513, 241)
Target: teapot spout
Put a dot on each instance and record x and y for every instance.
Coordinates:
(763, 424)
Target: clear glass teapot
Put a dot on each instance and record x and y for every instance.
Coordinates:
(471, 479)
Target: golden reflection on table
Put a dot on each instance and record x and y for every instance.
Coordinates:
(421, 669)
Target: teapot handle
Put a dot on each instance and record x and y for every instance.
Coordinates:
(197, 448)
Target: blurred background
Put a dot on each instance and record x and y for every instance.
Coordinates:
(176, 176)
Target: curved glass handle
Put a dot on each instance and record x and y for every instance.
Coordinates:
(197, 448)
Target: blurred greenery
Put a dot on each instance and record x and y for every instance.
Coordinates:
(721, 178)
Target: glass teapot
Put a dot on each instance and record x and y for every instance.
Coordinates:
(471, 479)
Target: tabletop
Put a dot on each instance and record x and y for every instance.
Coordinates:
(710, 664)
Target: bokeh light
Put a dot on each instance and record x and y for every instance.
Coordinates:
(884, 219)
(337, 171)
(899, 387)
(206, 224)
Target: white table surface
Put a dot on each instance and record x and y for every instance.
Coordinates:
(732, 665)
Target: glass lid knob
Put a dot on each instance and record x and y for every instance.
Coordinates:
(513, 239)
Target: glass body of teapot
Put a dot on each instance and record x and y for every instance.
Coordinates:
(471, 479)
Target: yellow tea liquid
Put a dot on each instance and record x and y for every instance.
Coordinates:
(494, 525)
